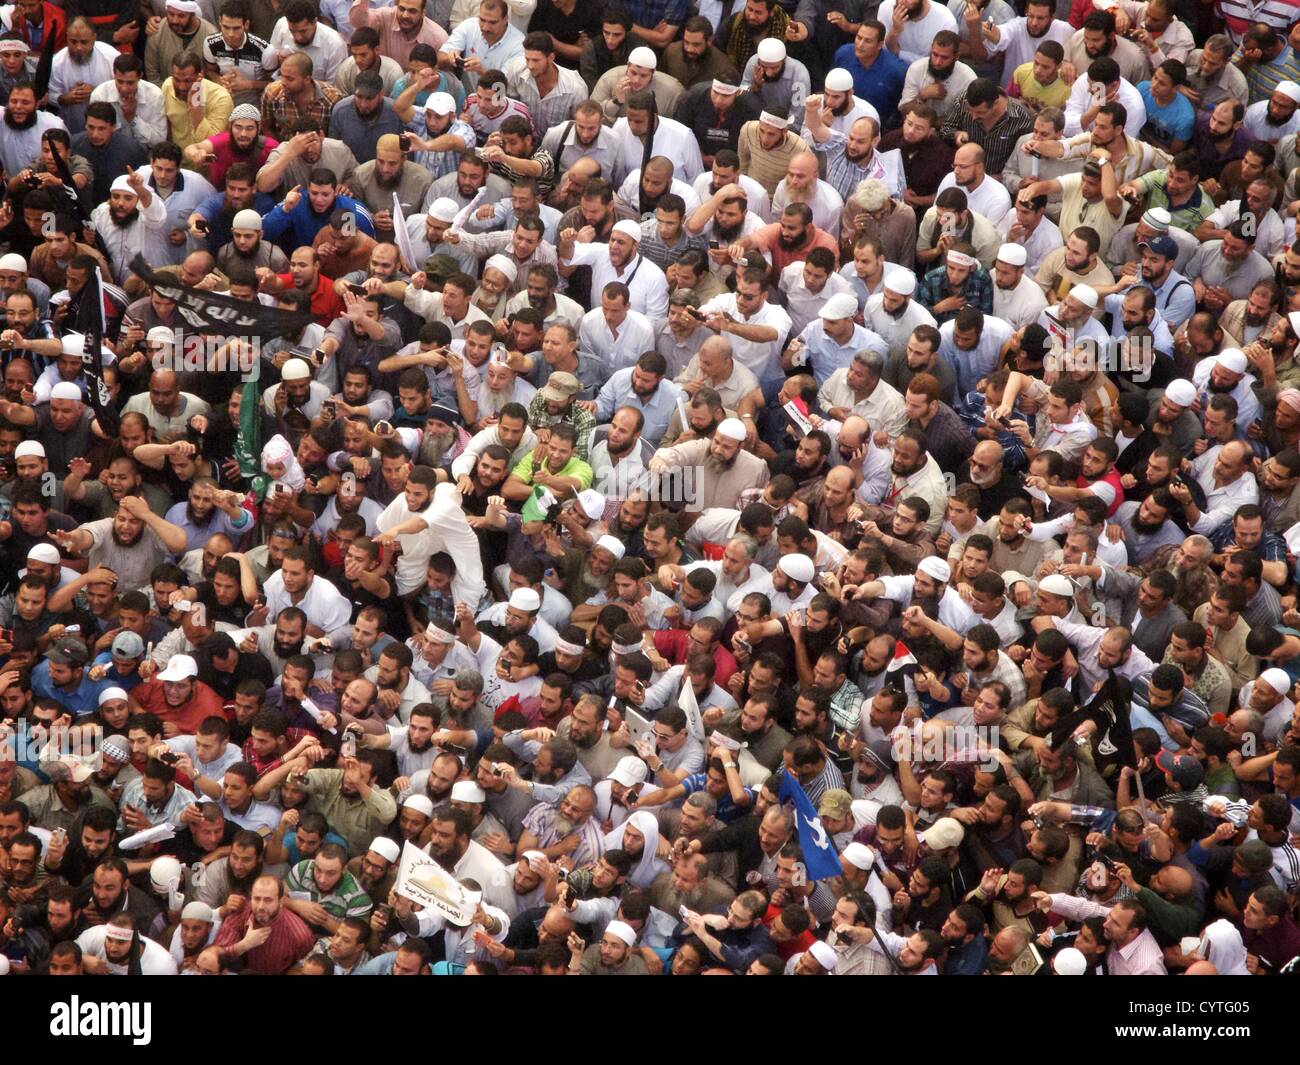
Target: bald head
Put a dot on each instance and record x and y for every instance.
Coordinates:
(840, 478)
(802, 168)
(970, 154)
(1173, 882)
(988, 453)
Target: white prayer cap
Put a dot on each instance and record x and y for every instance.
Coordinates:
(121, 184)
(1157, 218)
(839, 80)
(1070, 961)
(622, 930)
(247, 219)
(525, 599)
(614, 547)
(13, 261)
(773, 120)
(770, 50)
(798, 568)
(444, 209)
(1277, 679)
(726, 88)
(197, 911)
(901, 281)
(501, 263)
(66, 390)
(1181, 393)
(1289, 89)
(629, 229)
(190, 7)
(960, 258)
(1293, 317)
(642, 57)
(1056, 584)
(421, 804)
(47, 553)
(164, 872)
(592, 503)
(1013, 254)
(630, 772)
(840, 306)
(74, 343)
(1085, 294)
(109, 694)
(467, 791)
(31, 449)
(935, 567)
(385, 848)
(860, 856)
(440, 103)
(825, 955)
(732, 429)
(295, 370)
(1232, 359)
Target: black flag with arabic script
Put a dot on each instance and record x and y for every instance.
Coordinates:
(90, 323)
(208, 312)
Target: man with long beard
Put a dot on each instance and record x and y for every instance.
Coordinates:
(247, 250)
(375, 183)
(242, 143)
(722, 469)
(20, 147)
(125, 222)
(131, 543)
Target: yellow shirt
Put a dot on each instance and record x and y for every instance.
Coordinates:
(1053, 95)
(217, 106)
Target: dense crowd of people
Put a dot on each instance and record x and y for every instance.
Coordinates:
(790, 487)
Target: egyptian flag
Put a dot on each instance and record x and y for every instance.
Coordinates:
(903, 661)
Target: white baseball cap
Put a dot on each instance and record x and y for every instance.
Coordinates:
(630, 772)
(840, 306)
(179, 667)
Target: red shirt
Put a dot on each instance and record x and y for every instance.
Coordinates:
(673, 644)
(226, 157)
(768, 238)
(790, 947)
(1112, 479)
(325, 302)
(203, 703)
(291, 941)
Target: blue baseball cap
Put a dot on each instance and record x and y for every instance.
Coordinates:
(1162, 245)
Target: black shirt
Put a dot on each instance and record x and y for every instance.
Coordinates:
(566, 28)
(696, 111)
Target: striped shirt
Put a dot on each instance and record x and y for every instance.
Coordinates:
(1141, 957)
(557, 106)
(1263, 78)
(1187, 215)
(998, 142)
(345, 899)
(843, 175)
(1240, 15)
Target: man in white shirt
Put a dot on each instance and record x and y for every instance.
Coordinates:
(619, 260)
(125, 220)
(983, 195)
(757, 326)
(892, 314)
(487, 42)
(802, 185)
(1102, 81)
(615, 332)
(1017, 298)
(1020, 38)
(1224, 472)
(671, 139)
(940, 77)
(299, 31)
(77, 69)
(295, 583)
(911, 25)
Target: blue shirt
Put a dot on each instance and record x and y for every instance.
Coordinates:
(649, 13)
(361, 134)
(825, 355)
(83, 701)
(112, 678)
(298, 228)
(881, 84)
(617, 392)
(1176, 122)
(728, 811)
(219, 219)
(291, 845)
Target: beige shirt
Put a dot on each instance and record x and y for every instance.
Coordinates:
(715, 489)
(1230, 648)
